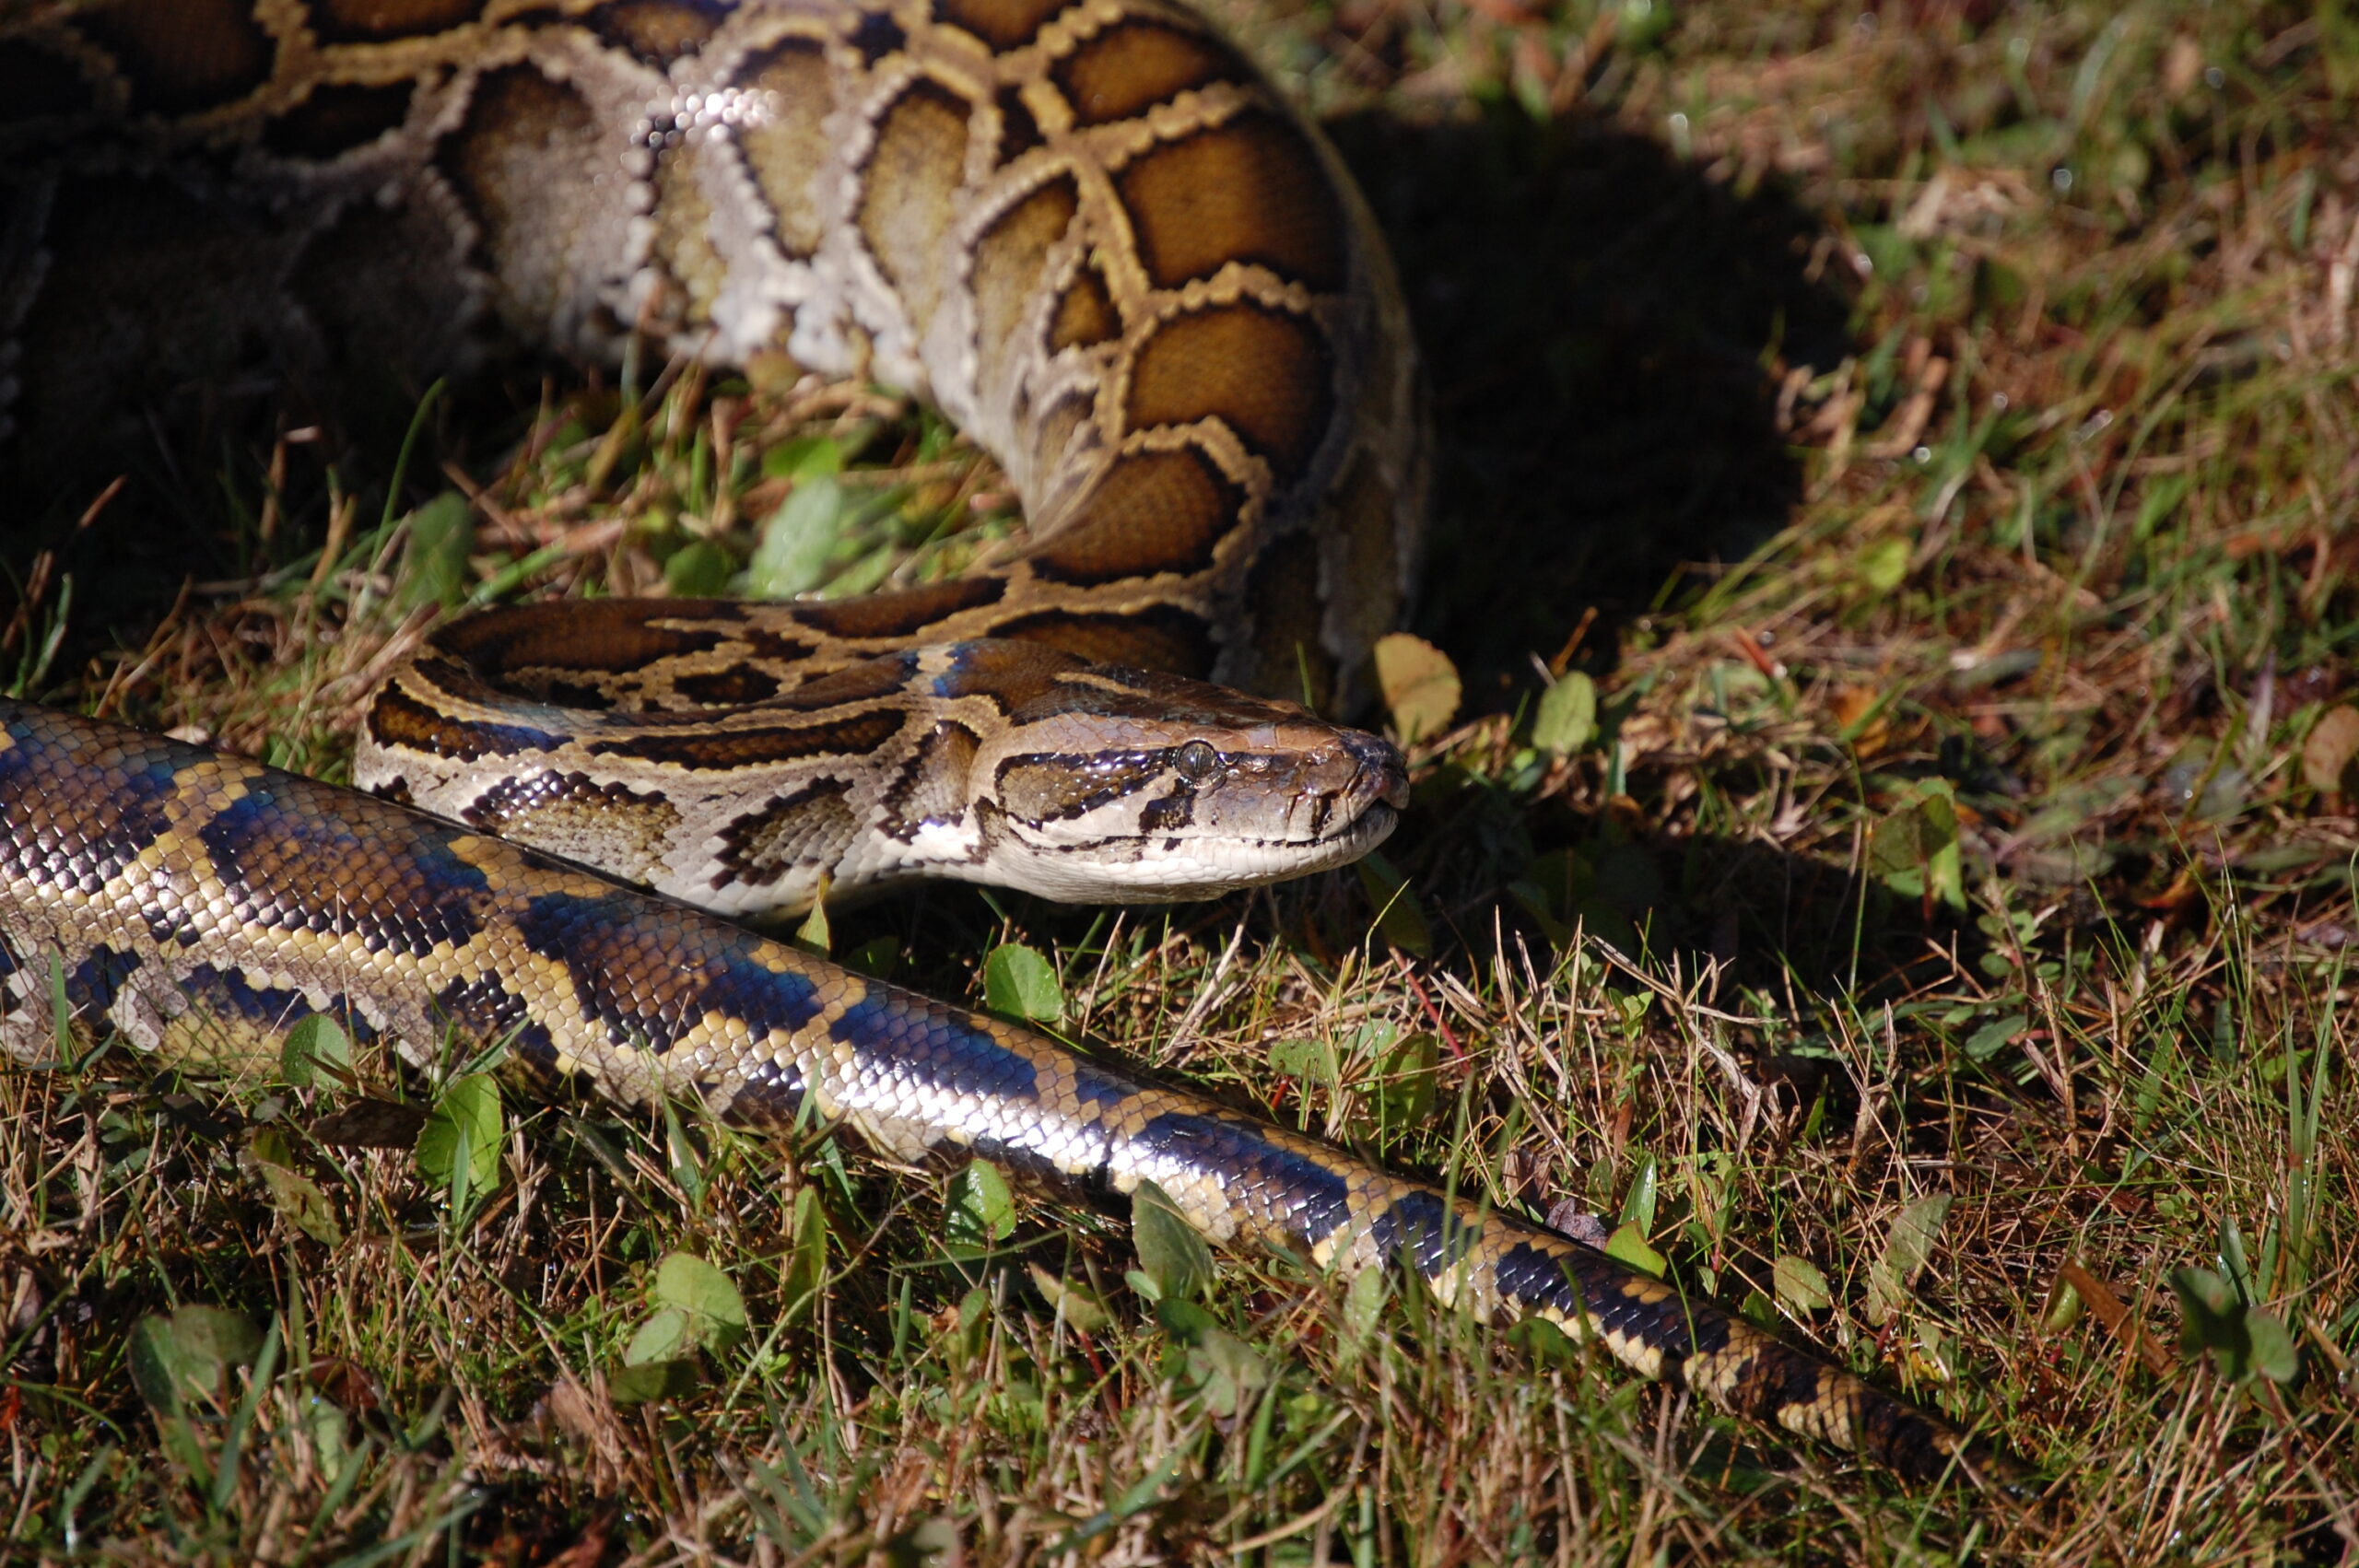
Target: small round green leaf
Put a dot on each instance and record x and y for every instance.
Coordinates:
(1800, 1286)
(1568, 718)
(1170, 1251)
(467, 1125)
(316, 1048)
(981, 1209)
(1019, 983)
(688, 1283)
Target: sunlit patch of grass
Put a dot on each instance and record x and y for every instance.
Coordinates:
(1930, 432)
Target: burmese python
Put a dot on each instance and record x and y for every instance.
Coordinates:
(1092, 233)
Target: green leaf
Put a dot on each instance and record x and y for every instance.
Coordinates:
(1074, 1302)
(2243, 1340)
(1224, 1369)
(1993, 1037)
(1363, 1313)
(1397, 915)
(459, 1145)
(1170, 1251)
(1419, 683)
(1408, 1075)
(805, 1271)
(813, 933)
(190, 1354)
(698, 569)
(665, 1336)
(1628, 1243)
(1568, 718)
(1639, 1208)
(980, 1210)
(1312, 1060)
(1915, 851)
(651, 1381)
(442, 533)
(805, 457)
(1882, 566)
(716, 1312)
(797, 540)
(296, 1196)
(316, 1048)
(1906, 1251)
(1544, 1342)
(1019, 983)
(1801, 1287)
(2273, 1353)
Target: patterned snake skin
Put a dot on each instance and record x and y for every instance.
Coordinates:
(1093, 236)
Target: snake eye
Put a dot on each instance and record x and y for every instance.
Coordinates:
(1196, 761)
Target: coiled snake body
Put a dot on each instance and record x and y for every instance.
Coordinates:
(1095, 238)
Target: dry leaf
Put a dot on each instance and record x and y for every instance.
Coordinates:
(2326, 755)
(1420, 685)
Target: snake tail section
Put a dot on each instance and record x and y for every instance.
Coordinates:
(204, 904)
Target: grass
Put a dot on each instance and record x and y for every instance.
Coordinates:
(1929, 431)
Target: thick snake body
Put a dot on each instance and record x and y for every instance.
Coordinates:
(197, 902)
(1091, 233)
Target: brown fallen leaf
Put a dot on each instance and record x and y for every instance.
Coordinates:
(2117, 1319)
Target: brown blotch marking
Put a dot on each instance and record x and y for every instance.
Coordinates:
(904, 613)
(1051, 789)
(399, 720)
(789, 147)
(733, 687)
(875, 35)
(364, 21)
(724, 749)
(1018, 131)
(1136, 64)
(1002, 24)
(1249, 189)
(1086, 314)
(934, 787)
(1161, 637)
(1013, 675)
(36, 85)
(767, 642)
(910, 193)
(658, 31)
(184, 55)
(1282, 605)
(527, 160)
(810, 826)
(337, 118)
(865, 681)
(1155, 512)
(1267, 374)
(599, 636)
(1009, 258)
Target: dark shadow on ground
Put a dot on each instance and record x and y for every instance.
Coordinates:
(1599, 319)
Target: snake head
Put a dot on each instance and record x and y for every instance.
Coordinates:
(1104, 784)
